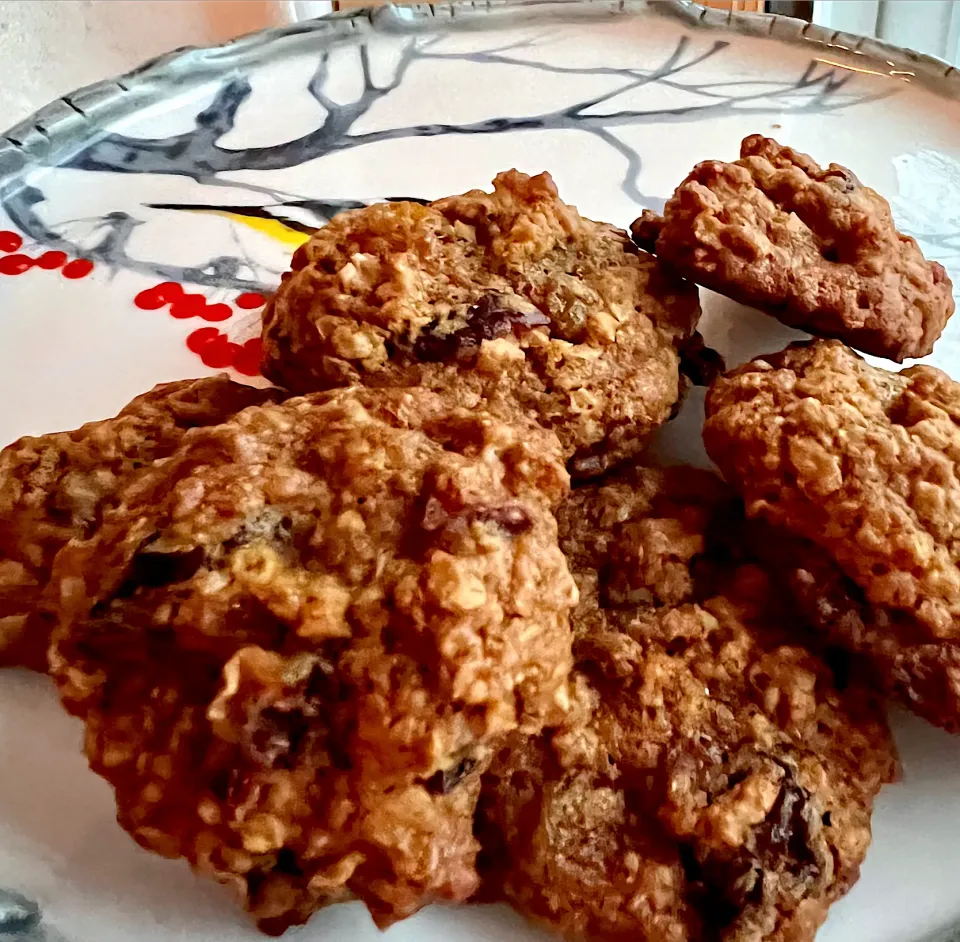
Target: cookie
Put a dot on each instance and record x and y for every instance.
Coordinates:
(863, 464)
(511, 297)
(713, 779)
(54, 488)
(918, 672)
(295, 643)
(815, 248)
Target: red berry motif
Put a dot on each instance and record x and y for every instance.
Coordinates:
(219, 354)
(250, 300)
(217, 351)
(182, 305)
(149, 300)
(247, 359)
(201, 337)
(213, 346)
(188, 305)
(51, 260)
(168, 291)
(216, 312)
(9, 241)
(152, 299)
(15, 264)
(78, 268)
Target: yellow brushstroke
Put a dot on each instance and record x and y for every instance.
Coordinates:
(272, 228)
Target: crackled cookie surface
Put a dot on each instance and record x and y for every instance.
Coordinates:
(510, 296)
(813, 247)
(54, 488)
(713, 780)
(295, 644)
(863, 464)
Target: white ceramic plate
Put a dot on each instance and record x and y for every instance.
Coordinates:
(206, 167)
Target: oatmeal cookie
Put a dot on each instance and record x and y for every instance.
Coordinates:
(54, 488)
(712, 780)
(815, 248)
(297, 641)
(862, 463)
(919, 672)
(510, 296)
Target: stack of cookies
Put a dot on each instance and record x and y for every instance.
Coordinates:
(425, 623)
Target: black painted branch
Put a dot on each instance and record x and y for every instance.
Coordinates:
(631, 173)
(114, 153)
(319, 79)
(111, 250)
(670, 67)
(197, 154)
(560, 120)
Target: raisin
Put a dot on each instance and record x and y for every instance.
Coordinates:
(494, 315)
(711, 901)
(159, 569)
(590, 462)
(287, 863)
(786, 832)
(281, 726)
(446, 780)
(274, 736)
(511, 518)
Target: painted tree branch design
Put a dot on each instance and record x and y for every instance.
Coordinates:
(199, 154)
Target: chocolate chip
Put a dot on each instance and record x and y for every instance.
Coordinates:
(494, 315)
(446, 780)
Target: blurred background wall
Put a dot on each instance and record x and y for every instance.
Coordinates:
(50, 47)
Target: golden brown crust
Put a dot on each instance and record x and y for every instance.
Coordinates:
(712, 780)
(918, 672)
(862, 463)
(54, 488)
(509, 296)
(296, 642)
(815, 248)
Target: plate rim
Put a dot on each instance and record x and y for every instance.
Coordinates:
(47, 137)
